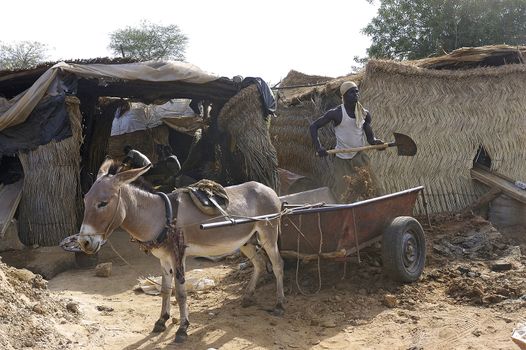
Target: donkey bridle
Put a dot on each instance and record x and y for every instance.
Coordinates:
(168, 213)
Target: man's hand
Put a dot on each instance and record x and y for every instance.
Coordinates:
(379, 142)
(322, 152)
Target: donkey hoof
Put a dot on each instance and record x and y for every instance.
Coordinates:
(248, 301)
(180, 336)
(159, 327)
(278, 310)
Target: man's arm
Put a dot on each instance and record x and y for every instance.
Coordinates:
(328, 117)
(367, 128)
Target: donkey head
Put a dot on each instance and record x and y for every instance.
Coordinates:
(104, 210)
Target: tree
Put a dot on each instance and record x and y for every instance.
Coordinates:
(22, 54)
(412, 29)
(149, 41)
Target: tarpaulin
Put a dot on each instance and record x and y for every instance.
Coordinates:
(50, 82)
(48, 121)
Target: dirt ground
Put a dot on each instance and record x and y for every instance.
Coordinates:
(459, 302)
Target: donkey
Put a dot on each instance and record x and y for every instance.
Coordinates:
(113, 201)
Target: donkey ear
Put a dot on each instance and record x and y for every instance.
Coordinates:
(105, 167)
(131, 175)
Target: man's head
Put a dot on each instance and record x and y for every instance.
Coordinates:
(127, 149)
(349, 92)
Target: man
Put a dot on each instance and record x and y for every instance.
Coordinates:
(352, 125)
(134, 159)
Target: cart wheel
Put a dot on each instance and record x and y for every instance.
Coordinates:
(404, 249)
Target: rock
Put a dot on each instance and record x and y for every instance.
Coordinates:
(103, 270)
(23, 274)
(39, 309)
(73, 307)
(501, 266)
(104, 308)
(390, 301)
(328, 324)
(519, 335)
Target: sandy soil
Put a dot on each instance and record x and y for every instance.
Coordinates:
(458, 303)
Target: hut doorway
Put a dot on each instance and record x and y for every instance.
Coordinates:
(482, 158)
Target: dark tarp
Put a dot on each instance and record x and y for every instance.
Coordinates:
(48, 121)
(269, 102)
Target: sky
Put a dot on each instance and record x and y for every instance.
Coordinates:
(225, 37)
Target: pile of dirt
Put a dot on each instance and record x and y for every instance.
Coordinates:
(30, 314)
(360, 186)
(469, 262)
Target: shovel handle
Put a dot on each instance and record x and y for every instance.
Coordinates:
(363, 148)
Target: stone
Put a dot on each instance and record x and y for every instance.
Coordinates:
(501, 266)
(103, 270)
(390, 301)
(73, 307)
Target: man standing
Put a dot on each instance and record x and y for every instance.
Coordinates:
(352, 125)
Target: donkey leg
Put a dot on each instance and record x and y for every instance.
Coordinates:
(166, 292)
(249, 250)
(269, 241)
(181, 335)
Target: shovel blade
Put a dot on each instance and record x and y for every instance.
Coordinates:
(405, 145)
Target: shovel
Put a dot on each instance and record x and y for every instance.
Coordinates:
(405, 145)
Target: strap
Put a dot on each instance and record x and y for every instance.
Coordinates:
(169, 217)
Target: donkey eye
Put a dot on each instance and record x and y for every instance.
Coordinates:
(102, 204)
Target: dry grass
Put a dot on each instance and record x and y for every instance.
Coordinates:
(448, 114)
(51, 204)
(249, 153)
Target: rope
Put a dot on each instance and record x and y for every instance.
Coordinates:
(133, 267)
(298, 258)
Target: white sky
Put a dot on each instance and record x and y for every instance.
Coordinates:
(226, 37)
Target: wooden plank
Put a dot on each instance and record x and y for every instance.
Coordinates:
(499, 181)
(493, 193)
(9, 198)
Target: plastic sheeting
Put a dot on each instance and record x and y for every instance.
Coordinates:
(50, 82)
(48, 121)
(142, 117)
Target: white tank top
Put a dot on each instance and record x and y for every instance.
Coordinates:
(349, 135)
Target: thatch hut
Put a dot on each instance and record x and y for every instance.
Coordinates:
(58, 121)
(469, 101)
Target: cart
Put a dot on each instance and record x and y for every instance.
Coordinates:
(337, 231)
(311, 228)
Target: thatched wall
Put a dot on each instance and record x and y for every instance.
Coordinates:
(290, 135)
(246, 149)
(142, 140)
(448, 114)
(51, 203)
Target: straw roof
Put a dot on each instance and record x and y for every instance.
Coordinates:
(449, 114)
(297, 87)
(473, 57)
(463, 58)
(51, 197)
(247, 152)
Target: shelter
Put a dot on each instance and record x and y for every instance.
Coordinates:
(457, 108)
(58, 120)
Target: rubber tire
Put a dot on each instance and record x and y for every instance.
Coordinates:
(392, 249)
